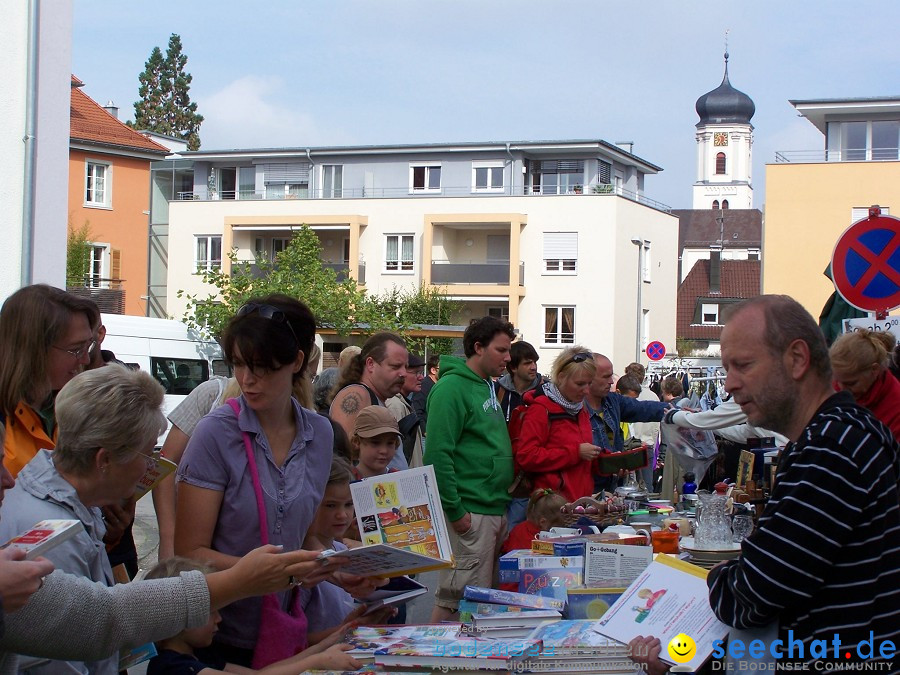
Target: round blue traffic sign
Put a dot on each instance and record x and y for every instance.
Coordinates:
(656, 350)
(866, 263)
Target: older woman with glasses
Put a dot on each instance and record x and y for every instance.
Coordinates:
(46, 339)
(255, 470)
(109, 420)
(554, 445)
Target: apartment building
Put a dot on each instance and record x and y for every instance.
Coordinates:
(557, 236)
(813, 196)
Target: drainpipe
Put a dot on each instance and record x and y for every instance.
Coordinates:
(27, 273)
(309, 159)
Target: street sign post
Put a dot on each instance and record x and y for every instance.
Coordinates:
(866, 263)
(656, 350)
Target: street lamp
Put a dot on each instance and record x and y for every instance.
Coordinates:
(639, 242)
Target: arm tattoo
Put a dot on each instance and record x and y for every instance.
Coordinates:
(350, 405)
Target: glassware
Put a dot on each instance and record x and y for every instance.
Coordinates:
(713, 529)
(742, 526)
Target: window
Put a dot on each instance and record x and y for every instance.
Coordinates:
(559, 325)
(286, 181)
(398, 256)
(96, 184)
(715, 204)
(487, 176)
(208, 253)
(279, 244)
(560, 252)
(179, 376)
(604, 172)
(501, 312)
(247, 182)
(724, 204)
(557, 176)
(98, 275)
(332, 181)
(423, 178)
(709, 314)
(753, 254)
(720, 163)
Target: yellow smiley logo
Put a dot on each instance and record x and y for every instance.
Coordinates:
(682, 648)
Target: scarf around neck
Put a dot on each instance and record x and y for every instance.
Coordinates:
(553, 393)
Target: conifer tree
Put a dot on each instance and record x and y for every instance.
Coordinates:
(165, 105)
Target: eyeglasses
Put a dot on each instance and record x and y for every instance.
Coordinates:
(79, 353)
(580, 357)
(269, 312)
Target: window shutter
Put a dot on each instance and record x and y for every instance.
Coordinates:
(560, 245)
(297, 172)
(115, 264)
(604, 172)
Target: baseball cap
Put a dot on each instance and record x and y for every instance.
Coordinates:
(375, 420)
(415, 361)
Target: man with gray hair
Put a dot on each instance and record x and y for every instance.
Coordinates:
(824, 562)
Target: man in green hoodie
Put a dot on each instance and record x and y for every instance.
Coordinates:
(468, 445)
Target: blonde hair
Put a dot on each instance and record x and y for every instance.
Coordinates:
(544, 503)
(565, 364)
(113, 408)
(857, 351)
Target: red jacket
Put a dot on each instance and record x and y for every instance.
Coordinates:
(883, 400)
(548, 450)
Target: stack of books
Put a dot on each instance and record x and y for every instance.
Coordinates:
(493, 622)
(573, 646)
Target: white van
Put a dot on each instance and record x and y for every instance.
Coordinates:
(175, 356)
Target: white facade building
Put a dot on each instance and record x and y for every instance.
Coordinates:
(550, 235)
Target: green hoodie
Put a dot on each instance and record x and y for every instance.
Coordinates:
(467, 442)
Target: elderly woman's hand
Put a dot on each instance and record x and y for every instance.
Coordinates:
(117, 519)
(19, 578)
(267, 569)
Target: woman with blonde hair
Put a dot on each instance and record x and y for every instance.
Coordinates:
(859, 361)
(554, 445)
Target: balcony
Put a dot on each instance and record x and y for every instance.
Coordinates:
(341, 270)
(846, 155)
(107, 293)
(444, 272)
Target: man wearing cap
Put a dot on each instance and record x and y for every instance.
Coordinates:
(401, 407)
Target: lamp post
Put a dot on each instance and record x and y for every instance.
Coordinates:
(639, 242)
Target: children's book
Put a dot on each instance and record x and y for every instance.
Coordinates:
(44, 536)
(463, 653)
(499, 597)
(154, 474)
(366, 640)
(550, 575)
(532, 617)
(667, 598)
(398, 591)
(584, 602)
(132, 657)
(575, 639)
(468, 608)
(401, 523)
(608, 565)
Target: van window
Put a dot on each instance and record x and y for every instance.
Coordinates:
(221, 368)
(179, 376)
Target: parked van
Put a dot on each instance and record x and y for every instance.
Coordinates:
(178, 358)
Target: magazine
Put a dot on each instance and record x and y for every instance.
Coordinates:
(609, 565)
(670, 597)
(44, 536)
(401, 523)
(153, 476)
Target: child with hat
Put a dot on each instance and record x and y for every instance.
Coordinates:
(376, 437)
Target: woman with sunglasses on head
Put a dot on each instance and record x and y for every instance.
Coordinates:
(554, 445)
(46, 339)
(271, 451)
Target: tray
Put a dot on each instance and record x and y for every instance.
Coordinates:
(708, 555)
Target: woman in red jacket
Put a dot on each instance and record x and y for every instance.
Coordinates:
(554, 445)
(859, 361)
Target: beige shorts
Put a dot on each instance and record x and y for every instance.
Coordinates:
(476, 556)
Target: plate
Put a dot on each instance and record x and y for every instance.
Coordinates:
(725, 553)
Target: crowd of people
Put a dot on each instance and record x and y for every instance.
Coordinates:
(265, 460)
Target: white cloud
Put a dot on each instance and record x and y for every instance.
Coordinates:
(245, 114)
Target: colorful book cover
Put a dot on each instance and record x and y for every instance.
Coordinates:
(590, 603)
(366, 640)
(462, 653)
(493, 595)
(468, 608)
(153, 476)
(43, 536)
(575, 638)
(509, 565)
(550, 575)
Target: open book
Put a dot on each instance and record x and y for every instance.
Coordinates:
(668, 598)
(401, 523)
(152, 477)
(44, 536)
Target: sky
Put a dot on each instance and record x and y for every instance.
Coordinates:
(352, 72)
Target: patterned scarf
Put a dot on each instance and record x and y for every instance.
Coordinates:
(553, 393)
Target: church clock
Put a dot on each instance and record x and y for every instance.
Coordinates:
(720, 139)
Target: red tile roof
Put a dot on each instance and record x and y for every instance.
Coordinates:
(740, 280)
(92, 124)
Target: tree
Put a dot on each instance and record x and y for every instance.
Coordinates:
(78, 254)
(165, 105)
(424, 306)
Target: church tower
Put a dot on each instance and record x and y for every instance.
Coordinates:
(724, 141)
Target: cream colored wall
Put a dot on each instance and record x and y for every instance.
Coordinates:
(603, 291)
(690, 256)
(808, 207)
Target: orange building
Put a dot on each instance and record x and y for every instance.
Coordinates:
(109, 191)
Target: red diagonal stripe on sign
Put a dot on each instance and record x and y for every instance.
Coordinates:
(877, 263)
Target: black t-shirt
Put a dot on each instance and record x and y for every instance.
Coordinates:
(169, 662)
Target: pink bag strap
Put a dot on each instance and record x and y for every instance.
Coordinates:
(254, 474)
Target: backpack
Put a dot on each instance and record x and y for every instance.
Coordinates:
(523, 485)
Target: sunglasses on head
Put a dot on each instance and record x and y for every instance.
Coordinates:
(268, 312)
(580, 357)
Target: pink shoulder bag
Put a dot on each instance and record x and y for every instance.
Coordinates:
(281, 634)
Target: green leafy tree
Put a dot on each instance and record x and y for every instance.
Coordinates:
(424, 306)
(165, 105)
(78, 254)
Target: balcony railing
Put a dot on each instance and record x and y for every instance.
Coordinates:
(342, 270)
(589, 190)
(446, 272)
(847, 155)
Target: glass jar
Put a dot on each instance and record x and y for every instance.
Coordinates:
(713, 527)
